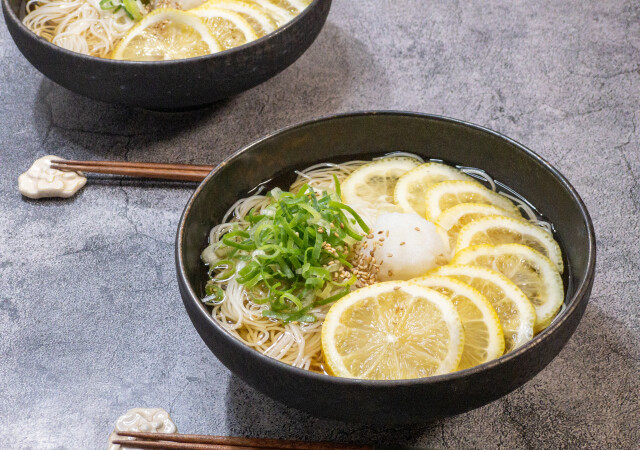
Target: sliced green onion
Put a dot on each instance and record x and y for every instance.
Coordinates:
(317, 247)
(293, 299)
(214, 294)
(285, 247)
(238, 245)
(355, 215)
(229, 270)
(131, 7)
(336, 183)
(333, 298)
(107, 4)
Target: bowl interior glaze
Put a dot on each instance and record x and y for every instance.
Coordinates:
(362, 135)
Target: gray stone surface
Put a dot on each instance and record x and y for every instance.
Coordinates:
(91, 321)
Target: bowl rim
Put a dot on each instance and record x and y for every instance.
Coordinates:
(579, 296)
(41, 41)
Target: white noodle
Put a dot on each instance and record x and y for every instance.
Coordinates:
(77, 25)
(297, 344)
(481, 174)
(400, 155)
(522, 205)
(529, 212)
(320, 176)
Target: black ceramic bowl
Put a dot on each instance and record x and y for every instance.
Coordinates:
(168, 85)
(355, 136)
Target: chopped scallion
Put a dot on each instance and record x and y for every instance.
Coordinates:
(293, 249)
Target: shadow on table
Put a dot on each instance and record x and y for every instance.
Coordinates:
(317, 84)
(66, 119)
(591, 390)
(108, 180)
(249, 413)
(594, 381)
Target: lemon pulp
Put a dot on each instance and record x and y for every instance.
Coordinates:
(166, 34)
(391, 331)
(515, 311)
(410, 190)
(483, 336)
(531, 271)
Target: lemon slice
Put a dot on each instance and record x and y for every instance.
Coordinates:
(391, 331)
(447, 243)
(515, 311)
(254, 14)
(166, 34)
(410, 190)
(293, 6)
(531, 271)
(229, 28)
(279, 14)
(454, 218)
(496, 230)
(448, 194)
(483, 336)
(371, 186)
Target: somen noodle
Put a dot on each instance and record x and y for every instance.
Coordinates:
(296, 343)
(77, 25)
(166, 29)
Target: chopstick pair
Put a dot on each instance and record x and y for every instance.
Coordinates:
(175, 441)
(179, 172)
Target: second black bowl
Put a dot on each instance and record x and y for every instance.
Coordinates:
(167, 85)
(358, 136)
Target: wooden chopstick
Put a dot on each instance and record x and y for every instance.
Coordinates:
(180, 172)
(135, 164)
(235, 443)
(167, 445)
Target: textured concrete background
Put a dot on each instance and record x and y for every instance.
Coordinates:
(91, 321)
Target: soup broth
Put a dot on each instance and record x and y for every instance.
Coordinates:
(278, 304)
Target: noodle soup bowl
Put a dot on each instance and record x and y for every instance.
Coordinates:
(169, 85)
(362, 136)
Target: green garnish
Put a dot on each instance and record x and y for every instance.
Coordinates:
(107, 4)
(130, 7)
(294, 253)
(215, 294)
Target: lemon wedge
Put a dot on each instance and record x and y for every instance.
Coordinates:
(229, 28)
(448, 194)
(454, 218)
(483, 336)
(166, 34)
(496, 230)
(530, 270)
(391, 331)
(257, 17)
(370, 187)
(516, 313)
(409, 193)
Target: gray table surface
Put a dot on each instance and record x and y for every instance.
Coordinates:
(91, 321)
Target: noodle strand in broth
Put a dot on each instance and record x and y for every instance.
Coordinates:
(294, 343)
(77, 25)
